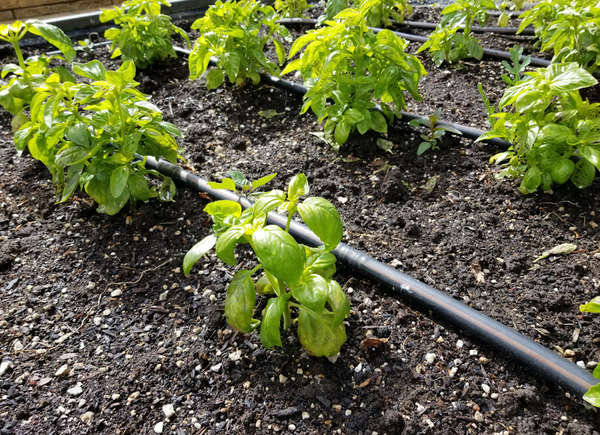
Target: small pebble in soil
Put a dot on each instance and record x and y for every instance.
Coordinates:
(115, 396)
(97, 321)
(473, 352)
(87, 417)
(282, 379)
(216, 367)
(17, 346)
(430, 358)
(581, 364)
(168, 410)
(116, 293)
(478, 416)
(63, 370)
(569, 353)
(486, 388)
(158, 427)
(291, 427)
(305, 415)
(452, 371)
(75, 390)
(235, 356)
(6, 366)
(133, 397)
(460, 344)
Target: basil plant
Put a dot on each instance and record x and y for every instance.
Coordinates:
(296, 279)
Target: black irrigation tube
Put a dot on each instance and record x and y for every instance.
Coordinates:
(476, 29)
(544, 362)
(488, 52)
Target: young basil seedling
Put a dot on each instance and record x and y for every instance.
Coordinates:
(296, 279)
(236, 32)
(145, 35)
(446, 43)
(355, 78)
(434, 133)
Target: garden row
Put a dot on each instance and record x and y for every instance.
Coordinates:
(89, 133)
(237, 148)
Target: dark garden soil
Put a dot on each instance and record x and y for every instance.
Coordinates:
(100, 332)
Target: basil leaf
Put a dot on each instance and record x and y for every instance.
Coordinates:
(239, 302)
(312, 291)
(279, 253)
(323, 219)
(318, 334)
(270, 334)
(297, 187)
(226, 244)
(338, 301)
(198, 251)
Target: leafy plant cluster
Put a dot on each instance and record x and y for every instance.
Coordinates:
(297, 279)
(291, 8)
(377, 13)
(554, 132)
(570, 28)
(355, 78)
(236, 33)
(452, 40)
(86, 130)
(145, 35)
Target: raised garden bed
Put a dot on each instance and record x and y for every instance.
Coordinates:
(106, 296)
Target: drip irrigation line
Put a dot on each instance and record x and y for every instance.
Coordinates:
(476, 29)
(487, 52)
(296, 88)
(542, 361)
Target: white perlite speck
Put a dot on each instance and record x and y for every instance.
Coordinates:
(168, 410)
(430, 358)
(76, 390)
(158, 427)
(63, 370)
(486, 388)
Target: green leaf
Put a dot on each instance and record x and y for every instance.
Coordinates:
(531, 180)
(574, 77)
(214, 78)
(225, 183)
(270, 334)
(337, 300)
(264, 286)
(79, 134)
(93, 70)
(167, 190)
(198, 251)
(323, 219)
(342, 131)
(239, 301)
(583, 175)
(279, 253)
(319, 334)
(378, 122)
(268, 201)
(223, 208)
(297, 187)
(312, 291)
(591, 154)
(71, 182)
(262, 181)
(226, 245)
(54, 36)
(592, 306)
(592, 396)
(71, 155)
(118, 180)
(99, 191)
(322, 263)
(138, 188)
